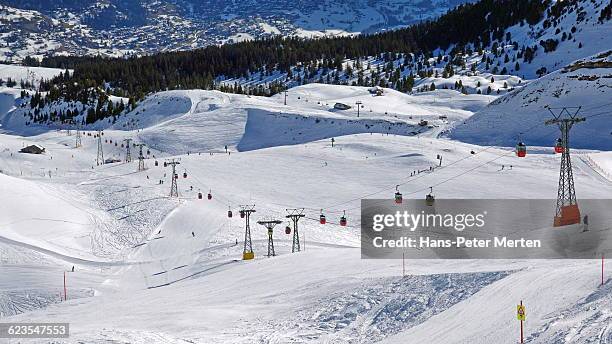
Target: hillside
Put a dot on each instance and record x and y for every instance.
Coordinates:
(145, 260)
(169, 120)
(586, 83)
(519, 40)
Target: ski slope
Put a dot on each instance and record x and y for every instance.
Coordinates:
(198, 121)
(150, 268)
(584, 83)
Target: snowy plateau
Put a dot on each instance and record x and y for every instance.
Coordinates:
(107, 248)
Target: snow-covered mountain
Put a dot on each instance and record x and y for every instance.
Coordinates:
(586, 83)
(115, 28)
(568, 31)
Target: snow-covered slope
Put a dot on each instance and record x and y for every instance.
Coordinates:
(575, 28)
(33, 75)
(28, 216)
(181, 121)
(154, 269)
(586, 83)
(326, 293)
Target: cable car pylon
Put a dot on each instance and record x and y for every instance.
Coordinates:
(141, 164)
(100, 156)
(245, 213)
(128, 152)
(173, 176)
(270, 224)
(78, 143)
(567, 211)
(295, 215)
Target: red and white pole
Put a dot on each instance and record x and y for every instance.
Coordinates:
(602, 269)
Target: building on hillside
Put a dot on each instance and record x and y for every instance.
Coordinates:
(33, 149)
(376, 90)
(341, 106)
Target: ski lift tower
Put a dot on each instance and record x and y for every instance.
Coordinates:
(567, 212)
(100, 156)
(245, 212)
(295, 215)
(128, 153)
(270, 224)
(78, 143)
(174, 177)
(141, 165)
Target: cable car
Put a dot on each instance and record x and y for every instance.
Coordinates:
(242, 214)
(322, 219)
(209, 195)
(521, 149)
(287, 230)
(199, 195)
(343, 218)
(156, 163)
(229, 212)
(398, 195)
(185, 174)
(430, 198)
(559, 146)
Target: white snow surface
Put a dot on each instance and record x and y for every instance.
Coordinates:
(198, 121)
(585, 83)
(155, 269)
(32, 74)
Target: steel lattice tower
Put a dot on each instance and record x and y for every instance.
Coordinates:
(173, 177)
(295, 215)
(141, 165)
(78, 142)
(270, 224)
(246, 211)
(128, 153)
(100, 157)
(567, 211)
